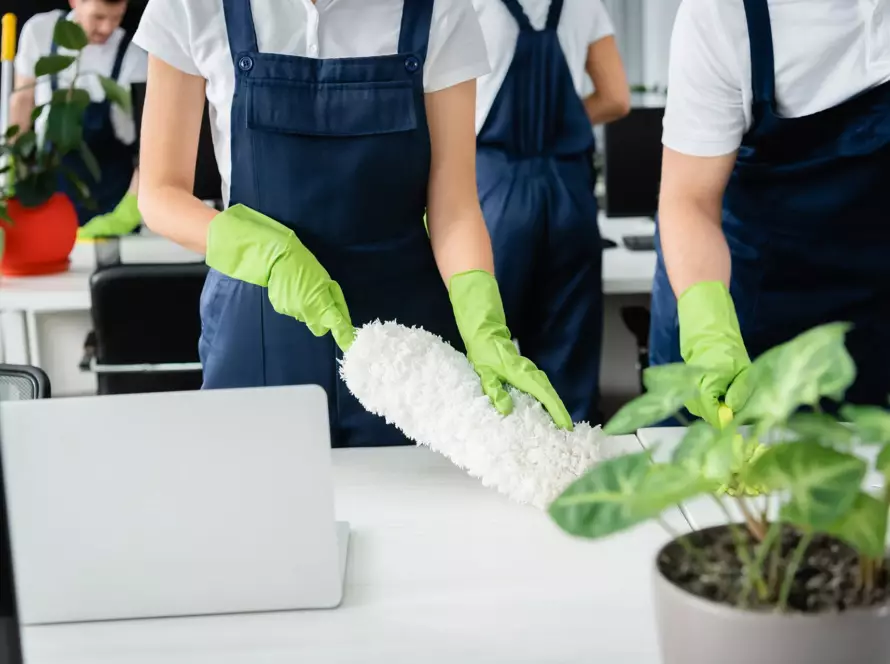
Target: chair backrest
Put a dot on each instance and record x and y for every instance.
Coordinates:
(147, 315)
(17, 383)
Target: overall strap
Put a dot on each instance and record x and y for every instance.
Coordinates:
(519, 14)
(554, 14)
(240, 27)
(414, 35)
(121, 54)
(760, 35)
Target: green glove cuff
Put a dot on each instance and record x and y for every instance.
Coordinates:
(245, 245)
(128, 209)
(708, 320)
(478, 308)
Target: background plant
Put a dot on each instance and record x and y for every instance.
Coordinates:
(33, 167)
(781, 445)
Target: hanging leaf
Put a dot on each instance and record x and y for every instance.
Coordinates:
(116, 94)
(36, 189)
(810, 367)
(70, 35)
(90, 161)
(81, 190)
(823, 482)
(36, 113)
(622, 492)
(11, 131)
(864, 526)
(52, 64)
(76, 97)
(64, 127)
(872, 423)
(25, 145)
(820, 428)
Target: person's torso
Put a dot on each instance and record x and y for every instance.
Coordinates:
(326, 30)
(94, 59)
(826, 51)
(580, 23)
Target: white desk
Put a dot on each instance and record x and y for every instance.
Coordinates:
(441, 570)
(44, 320)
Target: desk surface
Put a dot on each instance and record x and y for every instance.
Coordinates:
(440, 570)
(624, 272)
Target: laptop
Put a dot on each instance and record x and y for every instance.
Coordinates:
(172, 504)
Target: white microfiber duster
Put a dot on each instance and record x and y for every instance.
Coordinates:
(429, 390)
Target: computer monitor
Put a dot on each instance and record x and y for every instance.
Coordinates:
(632, 163)
(208, 186)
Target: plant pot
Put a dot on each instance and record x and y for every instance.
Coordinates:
(693, 630)
(40, 239)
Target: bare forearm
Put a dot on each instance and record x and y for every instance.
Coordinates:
(693, 244)
(177, 215)
(602, 109)
(20, 108)
(461, 244)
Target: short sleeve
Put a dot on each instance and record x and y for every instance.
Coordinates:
(704, 113)
(164, 33)
(135, 66)
(601, 25)
(456, 51)
(30, 49)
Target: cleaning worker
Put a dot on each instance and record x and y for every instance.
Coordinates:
(535, 174)
(773, 215)
(335, 125)
(108, 131)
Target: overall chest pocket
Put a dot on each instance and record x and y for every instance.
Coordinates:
(332, 109)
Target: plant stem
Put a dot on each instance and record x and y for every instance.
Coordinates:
(682, 419)
(756, 527)
(763, 550)
(682, 540)
(791, 571)
(753, 575)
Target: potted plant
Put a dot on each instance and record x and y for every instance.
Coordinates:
(801, 576)
(38, 221)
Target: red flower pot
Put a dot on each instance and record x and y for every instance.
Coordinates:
(40, 239)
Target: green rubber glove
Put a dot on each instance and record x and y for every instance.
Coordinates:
(480, 318)
(249, 246)
(711, 340)
(124, 219)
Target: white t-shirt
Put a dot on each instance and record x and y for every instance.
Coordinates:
(582, 23)
(36, 42)
(191, 36)
(826, 51)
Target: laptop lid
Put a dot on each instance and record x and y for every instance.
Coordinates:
(170, 504)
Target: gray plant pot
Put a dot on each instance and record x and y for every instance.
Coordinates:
(692, 630)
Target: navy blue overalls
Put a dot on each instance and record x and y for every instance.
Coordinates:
(536, 179)
(339, 151)
(116, 159)
(808, 225)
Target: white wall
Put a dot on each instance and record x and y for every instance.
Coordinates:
(643, 30)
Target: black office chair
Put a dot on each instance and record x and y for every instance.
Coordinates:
(146, 326)
(636, 319)
(17, 383)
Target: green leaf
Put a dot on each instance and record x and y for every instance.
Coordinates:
(70, 35)
(116, 94)
(90, 162)
(706, 451)
(668, 387)
(810, 367)
(620, 493)
(864, 526)
(36, 113)
(81, 190)
(75, 96)
(52, 64)
(11, 131)
(4, 213)
(25, 145)
(36, 189)
(820, 428)
(823, 482)
(64, 127)
(872, 423)
(882, 463)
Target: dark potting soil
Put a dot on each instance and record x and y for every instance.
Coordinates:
(828, 578)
